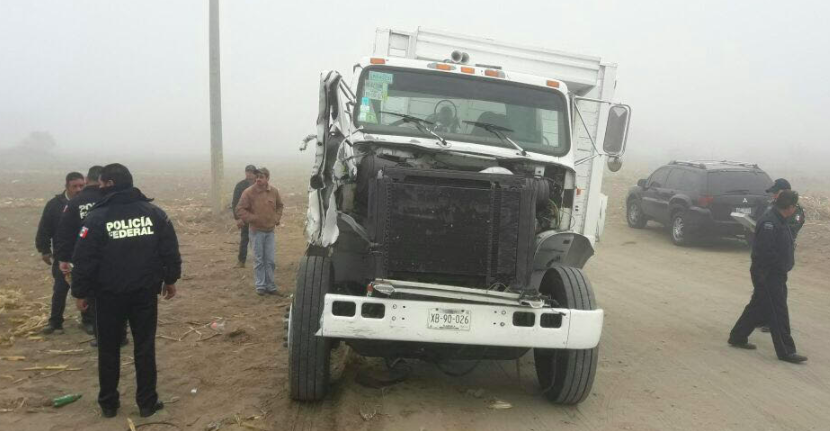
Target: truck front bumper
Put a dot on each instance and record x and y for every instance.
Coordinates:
(489, 324)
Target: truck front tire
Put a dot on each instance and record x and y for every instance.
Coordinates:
(309, 355)
(567, 376)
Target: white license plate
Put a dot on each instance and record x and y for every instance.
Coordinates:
(744, 210)
(449, 318)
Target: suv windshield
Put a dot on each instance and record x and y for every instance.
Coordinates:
(738, 182)
(536, 117)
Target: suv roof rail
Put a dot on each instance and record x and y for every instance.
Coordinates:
(688, 163)
(704, 163)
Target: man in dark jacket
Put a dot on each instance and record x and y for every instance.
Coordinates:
(126, 254)
(250, 177)
(44, 241)
(70, 224)
(773, 256)
(795, 221)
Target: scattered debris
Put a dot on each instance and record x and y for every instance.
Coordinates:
(218, 325)
(209, 337)
(65, 399)
(500, 405)
(369, 415)
(65, 352)
(146, 424)
(51, 368)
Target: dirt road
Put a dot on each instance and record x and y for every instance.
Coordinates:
(664, 361)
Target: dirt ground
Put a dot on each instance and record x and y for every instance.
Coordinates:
(664, 362)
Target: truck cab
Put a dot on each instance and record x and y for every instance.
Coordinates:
(452, 206)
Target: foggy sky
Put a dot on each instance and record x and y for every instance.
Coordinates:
(704, 78)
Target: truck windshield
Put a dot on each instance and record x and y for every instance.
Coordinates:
(536, 117)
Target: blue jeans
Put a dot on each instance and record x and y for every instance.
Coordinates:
(263, 245)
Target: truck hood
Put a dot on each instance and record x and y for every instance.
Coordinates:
(429, 144)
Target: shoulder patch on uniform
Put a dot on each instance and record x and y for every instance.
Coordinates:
(83, 232)
(769, 225)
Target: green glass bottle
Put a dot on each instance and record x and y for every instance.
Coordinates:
(65, 399)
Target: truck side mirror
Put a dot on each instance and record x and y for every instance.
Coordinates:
(641, 183)
(616, 130)
(614, 163)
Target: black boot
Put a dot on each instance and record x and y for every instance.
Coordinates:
(793, 358)
(152, 410)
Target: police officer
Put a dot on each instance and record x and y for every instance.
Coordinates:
(70, 223)
(44, 241)
(126, 254)
(772, 258)
(797, 220)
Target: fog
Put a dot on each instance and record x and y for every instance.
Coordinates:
(744, 79)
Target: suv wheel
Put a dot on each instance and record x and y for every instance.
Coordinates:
(635, 216)
(679, 229)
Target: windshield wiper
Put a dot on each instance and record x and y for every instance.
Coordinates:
(499, 131)
(419, 124)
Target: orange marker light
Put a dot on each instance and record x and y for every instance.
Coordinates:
(441, 66)
(468, 69)
(377, 61)
(554, 84)
(494, 73)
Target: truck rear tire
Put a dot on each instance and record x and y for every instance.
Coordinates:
(567, 376)
(309, 355)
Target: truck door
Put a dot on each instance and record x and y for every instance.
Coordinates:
(651, 194)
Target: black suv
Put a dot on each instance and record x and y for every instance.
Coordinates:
(695, 198)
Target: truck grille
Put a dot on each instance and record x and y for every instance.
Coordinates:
(433, 222)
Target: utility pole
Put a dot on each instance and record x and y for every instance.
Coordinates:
(217, 164)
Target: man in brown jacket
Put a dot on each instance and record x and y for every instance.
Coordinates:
(260, 207)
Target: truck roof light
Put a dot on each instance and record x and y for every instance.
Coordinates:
(552, 83)
(466, 69)
(440, 66)
(494, 73)
(377, 61)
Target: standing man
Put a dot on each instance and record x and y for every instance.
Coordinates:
(250, 177)
(44, 241)
(797, 220)
(126, 254)
(261, 208)
(772, 258)
(70, 224)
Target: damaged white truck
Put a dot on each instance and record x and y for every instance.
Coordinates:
(455, 197)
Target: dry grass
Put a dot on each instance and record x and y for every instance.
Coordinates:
(25, 316)
(816, 207)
